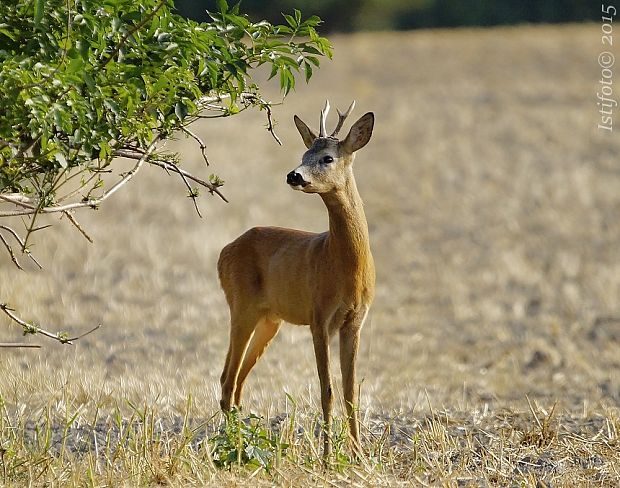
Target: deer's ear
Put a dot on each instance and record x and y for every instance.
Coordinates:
(307, 134)
(360, 133)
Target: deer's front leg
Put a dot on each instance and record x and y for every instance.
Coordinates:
(349, 345)
(320, 338)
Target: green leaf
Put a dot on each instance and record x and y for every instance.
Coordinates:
(78, 86)
(62, 160)
(222, 6)
(313, 60)
(39, 6)
(313, 21)
(7, 34)
(75, 65)
(113, 106)
(90, 82)
(180, 110)
(290, 20)
(308, 71)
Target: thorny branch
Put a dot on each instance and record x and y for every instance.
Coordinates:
(202, 145)
(31, 328)
(33, 207)
(247, 98)
(173, 167)
(77, 225)
(22, 243)
(90, 202)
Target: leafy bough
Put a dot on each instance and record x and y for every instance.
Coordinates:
(87, 83)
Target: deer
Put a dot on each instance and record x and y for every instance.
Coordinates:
(323, 280)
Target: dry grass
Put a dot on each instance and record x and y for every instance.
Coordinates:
(493, 204)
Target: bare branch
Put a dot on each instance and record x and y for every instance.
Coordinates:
(22, 244)
(91, 202)
(77, 226)
(18, 199)
(200, 143)
(19, 344)
(10, 251)
(270, 126)
(32, 328)
(129, 153)
(208, 101)
(77, 338)
(84, 184)
(173, 167)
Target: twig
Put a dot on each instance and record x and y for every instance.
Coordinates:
(169, 166)
(91, 202)
(18, 199)
(10, 251)
(30, 228)
(270, 126)
(78, 226)
(35, 329)
(20, 344)
(77, 338)
(191, 193)
(96, 174)
(207, 99)
(200, 143)
(21, 243)
(255, 99)
(129, 153)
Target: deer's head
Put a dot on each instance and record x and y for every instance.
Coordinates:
(327, 164)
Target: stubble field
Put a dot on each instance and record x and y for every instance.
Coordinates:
(492, 352)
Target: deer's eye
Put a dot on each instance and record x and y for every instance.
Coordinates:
(327, 160)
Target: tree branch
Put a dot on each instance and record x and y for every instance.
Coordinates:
(22, 243)
(202, 145)
(77, 225)
(213, 189)
(30, 328)
(91, 202)
(10, 251)
(270, 126)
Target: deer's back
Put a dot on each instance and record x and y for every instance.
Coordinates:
(269, 268)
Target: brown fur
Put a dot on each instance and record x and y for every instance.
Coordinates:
(326, 280)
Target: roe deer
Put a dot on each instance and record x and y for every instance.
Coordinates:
(326, 281)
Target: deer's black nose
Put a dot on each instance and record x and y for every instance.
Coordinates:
(294, 179)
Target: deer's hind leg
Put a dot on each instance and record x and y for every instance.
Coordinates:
(265, 331)
(243, 322)
(349, 345)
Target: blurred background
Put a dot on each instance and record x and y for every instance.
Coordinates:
(347, 16)
(492, 201)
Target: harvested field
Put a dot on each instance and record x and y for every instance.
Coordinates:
(492, 354)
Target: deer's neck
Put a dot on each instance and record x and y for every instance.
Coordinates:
(348, 241)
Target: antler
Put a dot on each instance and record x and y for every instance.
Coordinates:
(342, 117)
(324, 112)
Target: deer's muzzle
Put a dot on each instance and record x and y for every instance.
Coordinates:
(295, 179)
